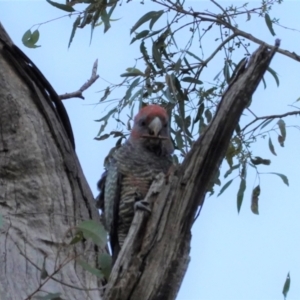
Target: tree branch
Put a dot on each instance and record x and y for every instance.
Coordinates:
(291, 113)
(78, 94)
(235, 30)
(155, 256)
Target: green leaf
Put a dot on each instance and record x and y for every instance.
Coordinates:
(44, 273)
(193, 55)
(154, 32)
(140, 35)
(269, 24)
(177, 65)
(95, 231)
(271, 147)
(145, 18)
(173, 40)
(105, 263)
(35, 36)
(189, 66)
(75, 25)
(257, 160)
(135, 70)
(265, 123)
(90, 269)
(224, 187)
(26, 36)
(282, 128)
(102, 128)
(240, 194)
(264, 82)
(191, 80)
(138, 94)
(102, 137)
(187, 121)
(131, 87)
(217, 76)
(286, 286)
(226, 72)
(130, 74)
(274, 74)
(199, 112)
(77, 238)
(107, 116)
(95, 19)
(155, 18)
(106, 94)
(64, 7)
(254, 200)
(208, 115)
(50, 296)
(179, 140)
(29, 39)
(144, 51)
(248, 16)
(157, 56)
(283, 177)
(231, 169)
(86, 19)
(105, 20)
(281, 140)
(111, 9)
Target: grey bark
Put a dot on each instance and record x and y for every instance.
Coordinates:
(43, 193)
(155, 256)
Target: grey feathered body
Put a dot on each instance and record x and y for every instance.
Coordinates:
(130, 172)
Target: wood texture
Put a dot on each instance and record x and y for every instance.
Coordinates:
(43, 193)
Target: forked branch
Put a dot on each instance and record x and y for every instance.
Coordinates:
(155, 256)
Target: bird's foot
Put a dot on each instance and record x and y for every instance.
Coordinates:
(142, 205)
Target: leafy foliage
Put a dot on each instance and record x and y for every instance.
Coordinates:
(171, 74)
(286, 286)
(30, 39)
(174, 76)
(95, 231)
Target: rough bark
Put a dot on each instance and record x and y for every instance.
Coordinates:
(43, 193)
(155, 256)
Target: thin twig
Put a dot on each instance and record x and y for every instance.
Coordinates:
(78, 94)
(291, 113)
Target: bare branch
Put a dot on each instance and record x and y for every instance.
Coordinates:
(219, 48)
(78, 94)
(291, 113)
(250, 37)
(224, 11)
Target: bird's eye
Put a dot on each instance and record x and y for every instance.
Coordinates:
(166, 125)
(143, 123)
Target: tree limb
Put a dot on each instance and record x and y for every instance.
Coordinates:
(78, 94)
(291, 113)
(155, 256)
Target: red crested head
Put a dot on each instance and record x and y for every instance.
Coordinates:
(151, 129)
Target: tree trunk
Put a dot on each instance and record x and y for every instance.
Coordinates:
(155, 256)
(43, 192)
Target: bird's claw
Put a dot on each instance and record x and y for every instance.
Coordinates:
(142, 205)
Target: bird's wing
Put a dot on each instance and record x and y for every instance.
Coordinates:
(108, 201)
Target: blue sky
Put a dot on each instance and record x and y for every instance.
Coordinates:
(233, 256)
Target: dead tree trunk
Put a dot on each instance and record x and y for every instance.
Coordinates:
(155, 256)
(43, 191)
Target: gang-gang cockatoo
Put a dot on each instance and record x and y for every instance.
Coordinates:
(130, 170)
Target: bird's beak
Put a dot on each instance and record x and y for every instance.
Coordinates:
(155, 126)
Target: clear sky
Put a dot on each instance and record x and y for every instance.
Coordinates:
(233, 256)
